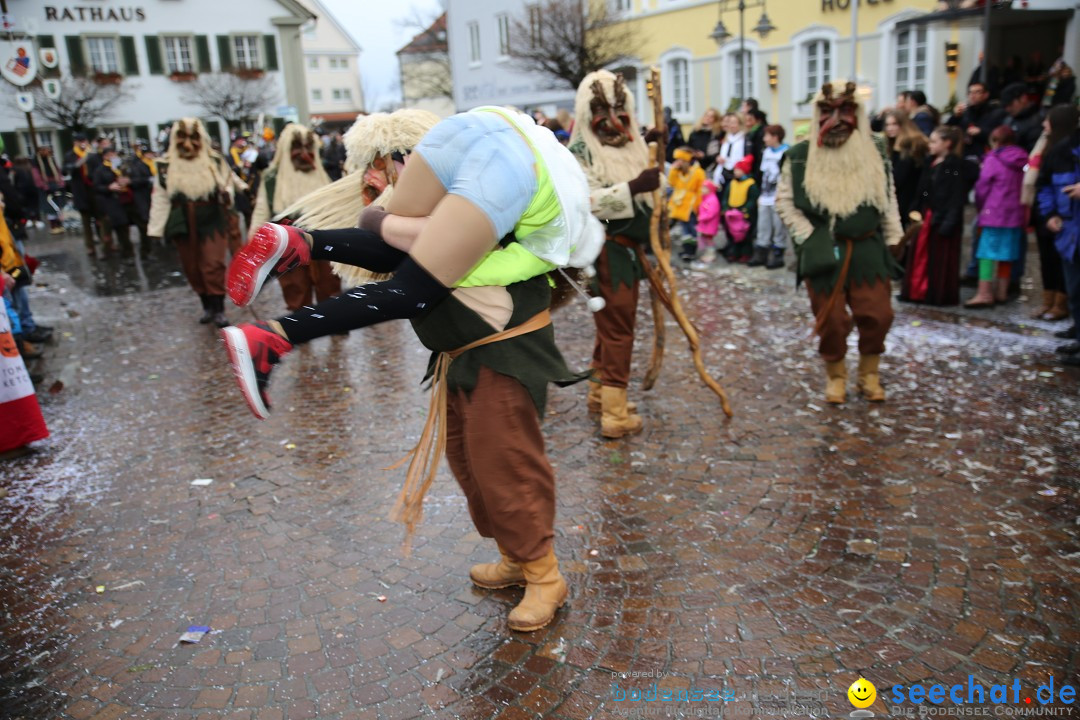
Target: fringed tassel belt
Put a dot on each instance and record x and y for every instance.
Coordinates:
(424, 458)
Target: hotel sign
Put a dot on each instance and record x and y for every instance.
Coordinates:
(827, 5)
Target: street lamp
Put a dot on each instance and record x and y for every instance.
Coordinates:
(720, 34)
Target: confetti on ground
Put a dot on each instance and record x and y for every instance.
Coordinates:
(202, 481)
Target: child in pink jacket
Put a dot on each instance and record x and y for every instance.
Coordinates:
(708, 224)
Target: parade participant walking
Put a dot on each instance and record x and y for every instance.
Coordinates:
(837, 198)
(295, 172)
(439, 232)
(79, 165)
(115, 199)
(616, 163)
(189, 207)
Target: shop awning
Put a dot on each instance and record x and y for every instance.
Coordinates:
(1001, 13)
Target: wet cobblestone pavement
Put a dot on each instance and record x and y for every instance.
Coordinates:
(792, 548)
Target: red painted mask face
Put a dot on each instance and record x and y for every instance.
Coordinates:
(188, 142)
(838, 117)
(611, 122)
(302, 152)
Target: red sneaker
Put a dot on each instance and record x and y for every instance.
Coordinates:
(273, 250)
(254, 350)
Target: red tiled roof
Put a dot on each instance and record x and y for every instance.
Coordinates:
(431, 40)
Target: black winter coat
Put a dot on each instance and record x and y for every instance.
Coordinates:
(81, 185)
(943, 190)
(109, 202)
(142, 184)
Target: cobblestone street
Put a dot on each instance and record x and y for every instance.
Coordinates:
(792, 548)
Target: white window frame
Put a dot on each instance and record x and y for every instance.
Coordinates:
(814, 35)
(935, 62)
(346, 95)
(100, 64)
(677, 79)
(316, 95)
(536, 24)
(335, 94)
(912, 45)
(123, 136)
(502, 22)
(44, 139)
(474, 43)
(313, 62)
(730, 66)
(167, 55)
(253, 49)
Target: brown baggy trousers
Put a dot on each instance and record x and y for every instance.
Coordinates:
(614, 345)
(871, 306)
(297, 284)
(496, 451)
(203, 261)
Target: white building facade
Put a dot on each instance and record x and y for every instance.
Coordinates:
(332, 70)
(156, 48)
(478, 32)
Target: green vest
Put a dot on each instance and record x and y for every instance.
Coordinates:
(821, 255)
(209, 213)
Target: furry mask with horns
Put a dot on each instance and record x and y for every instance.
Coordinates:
(604, 112)
(844, 168)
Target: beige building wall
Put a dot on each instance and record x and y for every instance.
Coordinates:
(331, 66)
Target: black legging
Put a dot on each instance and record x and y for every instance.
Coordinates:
(403, 296)
(1053, 277)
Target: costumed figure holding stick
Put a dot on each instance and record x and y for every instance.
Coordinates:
(486, 205)
(837, 198)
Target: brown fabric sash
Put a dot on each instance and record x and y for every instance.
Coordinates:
(424, 458)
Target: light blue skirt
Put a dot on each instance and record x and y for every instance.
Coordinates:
(1001, 244)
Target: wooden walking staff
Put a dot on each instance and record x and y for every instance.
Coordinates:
(661, 249)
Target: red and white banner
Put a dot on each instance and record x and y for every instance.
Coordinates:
(20, 416)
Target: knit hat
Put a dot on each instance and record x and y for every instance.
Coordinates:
(683, 154)
(746, 164)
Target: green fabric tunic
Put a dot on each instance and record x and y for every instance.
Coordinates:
(532, 359)
(210, 213)
(821, 256)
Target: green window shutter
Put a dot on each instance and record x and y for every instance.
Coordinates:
(271, 53)
(131, 60)
(202, 53)
(224, 51)
(142, 132)
(11, 143)
(213, 127)
(279, 125)
(153, 55)
(76, 59)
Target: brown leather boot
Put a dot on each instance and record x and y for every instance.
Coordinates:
(836, 386)
(545, 592)
(594, 402)
(493, 576)
(869, 382)
(616, 420)
(1060, 308)
(1047, 304)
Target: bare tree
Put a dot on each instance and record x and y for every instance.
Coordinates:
(82, 103)
(425, 62)
(231, 97)
(558, 38)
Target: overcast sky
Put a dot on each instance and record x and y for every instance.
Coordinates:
(376, 27)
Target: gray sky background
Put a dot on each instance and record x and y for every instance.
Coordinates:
(376, 27)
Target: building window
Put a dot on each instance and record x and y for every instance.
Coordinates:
(535, 20)
(246, 52)
(620, 6)
(316, 95)
(313, 62)
(342, 95)
(504, 34)
(679, 72)
(339, 63)
(121, 138)
(178, 54)
(737, 63)
(336, 94)
(102, 54)
(911, 59)
(474, 42)
(817, 65)
(44, 140)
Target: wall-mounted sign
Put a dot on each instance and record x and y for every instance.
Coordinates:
(25, 101)
(94, 14)
(51, 88)
(18, 62)
(827, 5)
(49, 58)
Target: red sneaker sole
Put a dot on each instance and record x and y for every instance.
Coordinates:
(244, 370)
(262, 251)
